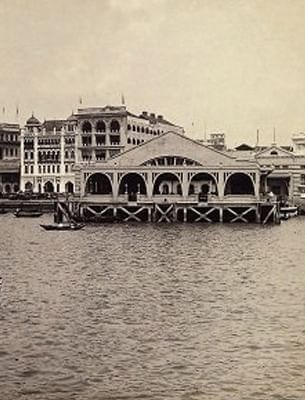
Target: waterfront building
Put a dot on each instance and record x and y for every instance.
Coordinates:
(287, 179)
(50, 151)
(9, 157)
(47, 156)
(172, 177)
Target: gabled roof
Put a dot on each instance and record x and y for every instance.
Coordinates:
(244, 147)
(174, 144)
(274, 151)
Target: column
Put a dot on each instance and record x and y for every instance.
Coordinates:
(184, 184)
(22, 159)
(115, 186)
(149, 185)
(221, 185)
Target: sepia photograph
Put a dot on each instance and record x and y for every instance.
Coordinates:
(152, 199)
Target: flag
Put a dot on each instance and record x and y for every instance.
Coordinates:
(80, 100)
(17, 110)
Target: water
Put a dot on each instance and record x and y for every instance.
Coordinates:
(187, 312)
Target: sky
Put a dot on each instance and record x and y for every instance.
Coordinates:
(208, 65)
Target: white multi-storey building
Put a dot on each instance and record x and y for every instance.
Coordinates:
(51, 151)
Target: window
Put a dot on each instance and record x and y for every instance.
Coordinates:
(32, 169)
(302, 179)
(66, 168)
(12, 152)
(44, 169)
(26, 169)
(49, 168)
(53, 169)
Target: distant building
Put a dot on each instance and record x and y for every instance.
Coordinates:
(48, 152)
(52, 151)
(9, 157)
(287, 179)
(217, 140)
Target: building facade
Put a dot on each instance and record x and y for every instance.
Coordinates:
(9, 157)
(287, 179)
(51, 151)
(172, 177)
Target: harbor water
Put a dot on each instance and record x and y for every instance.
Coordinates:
(152, 311)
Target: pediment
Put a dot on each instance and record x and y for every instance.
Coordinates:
(172, 144)
(274, 151)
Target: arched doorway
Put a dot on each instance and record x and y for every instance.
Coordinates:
(7, 188)
(48, 187)
(28, 186)
(98, 183)
(239, 183)
(132, 183)
(69, 187)
(203, 183)
(167, 183)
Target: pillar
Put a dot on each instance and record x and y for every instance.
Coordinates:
(21, 184)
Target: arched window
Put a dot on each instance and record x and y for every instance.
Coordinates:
(129, 141)
(133, 141)
(100, 126)
(87, 127)
(114, 126)
(274, 153)
(129, 127)
(133, 128)
(138, 129)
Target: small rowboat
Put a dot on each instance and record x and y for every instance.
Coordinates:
(63, 227)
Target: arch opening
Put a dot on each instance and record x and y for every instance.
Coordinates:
(203, 183)
(114, 126)
(69, 187)
(48, 187)
(132, 184)
(28, 186)
(167, 183)
(100, 126)
(98, 183)
(239, 183)
(87, 127)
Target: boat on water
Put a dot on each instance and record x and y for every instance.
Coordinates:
(287, 212)
(66, 226)
(27, 213)
(62, 220)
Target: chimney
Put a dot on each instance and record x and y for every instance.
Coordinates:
(160, 117)
(153, 115)
(144, 113)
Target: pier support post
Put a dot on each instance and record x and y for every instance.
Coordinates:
(184, 214)
(221, 214)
